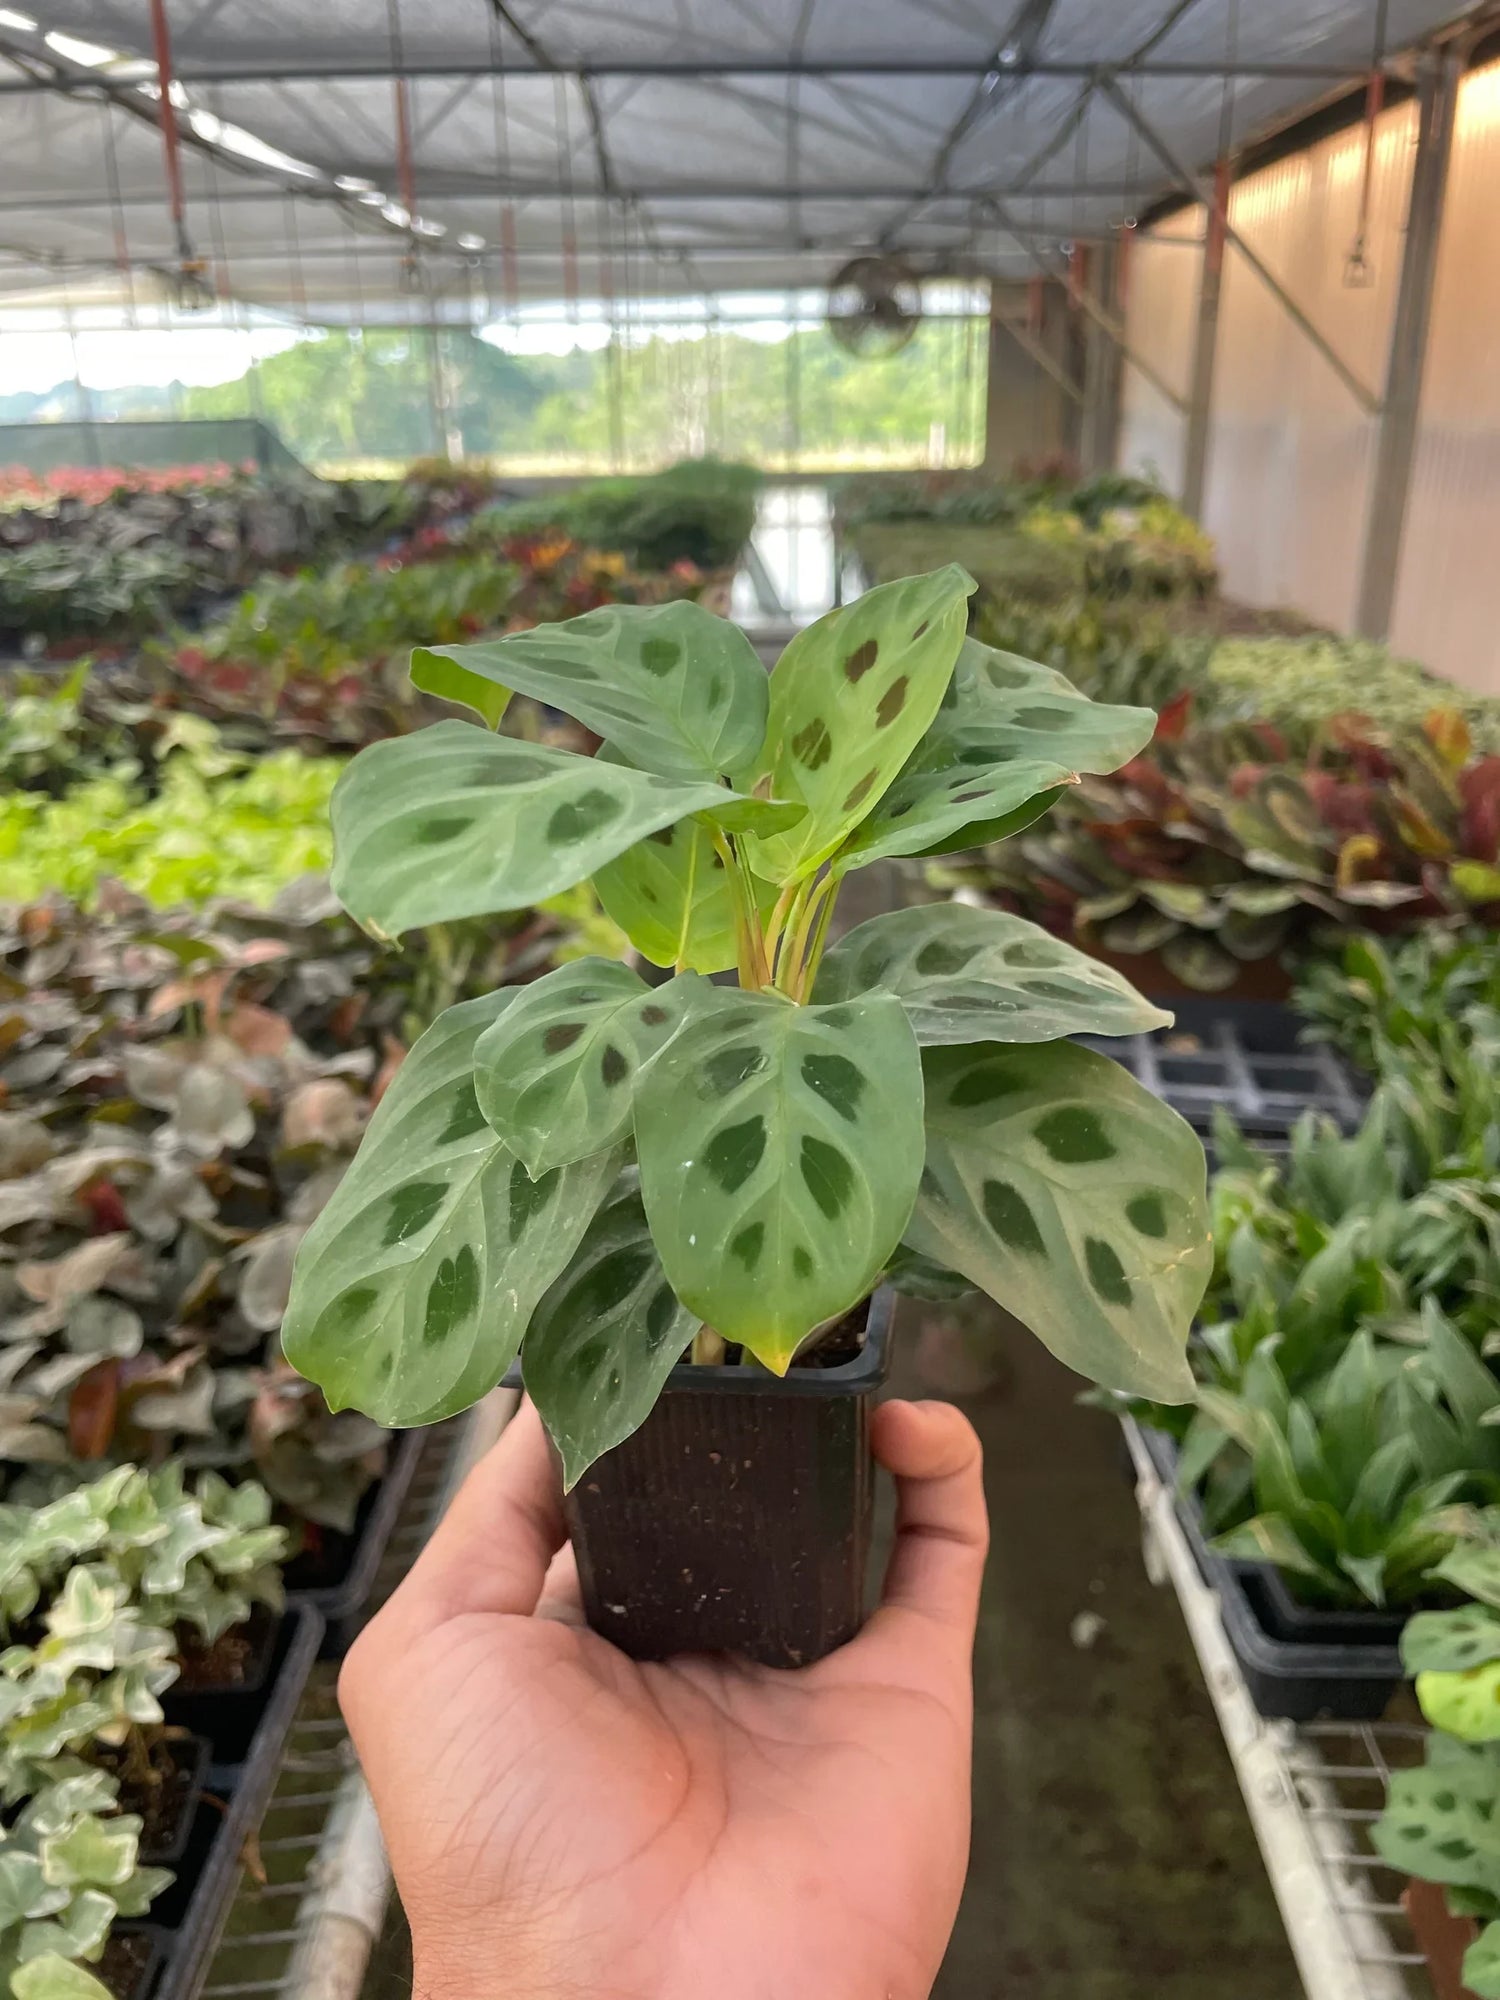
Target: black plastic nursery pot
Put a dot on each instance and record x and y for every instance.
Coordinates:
(167, 1957)
(1298, 1662)
(738, 1517)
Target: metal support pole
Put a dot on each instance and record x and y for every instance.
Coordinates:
(1205, 346)
(1195, 184)
(1100, 430)
(1437, 98)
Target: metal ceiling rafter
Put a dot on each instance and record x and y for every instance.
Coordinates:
(53, 72)
(691, 69)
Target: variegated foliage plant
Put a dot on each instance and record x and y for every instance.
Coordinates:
(616, 1172)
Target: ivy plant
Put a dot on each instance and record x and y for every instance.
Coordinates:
(615, 1172)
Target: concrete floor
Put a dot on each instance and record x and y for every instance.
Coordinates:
(1112, 1858)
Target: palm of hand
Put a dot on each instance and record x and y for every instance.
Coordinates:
(598, 1827)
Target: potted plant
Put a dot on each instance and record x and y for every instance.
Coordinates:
(611, 1176)
(1439, 1820)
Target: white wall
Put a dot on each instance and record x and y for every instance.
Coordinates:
(1291, 450)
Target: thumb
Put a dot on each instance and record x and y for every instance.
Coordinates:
(932, 1581)
(490, 1551)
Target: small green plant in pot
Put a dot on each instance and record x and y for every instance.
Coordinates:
(609, 1176)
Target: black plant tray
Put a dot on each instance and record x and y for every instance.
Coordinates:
(344, 1605)
(1246, 1056)
(151, 1945)
(247, 1732)
(1297, 1662)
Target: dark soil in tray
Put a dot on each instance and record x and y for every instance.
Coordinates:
(164, 1796)
(327, 1554)
(234, 1663)
(128, 1966)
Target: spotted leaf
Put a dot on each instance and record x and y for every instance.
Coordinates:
(1439, 1822)
(554, 1072)
(604, 1339)
(1073, 1197)
(452, 821)
(670, 895)
(413, 1286)
(779, 1150)
(679, 691)
(979, 976)
(1009, 734)
(851, 697)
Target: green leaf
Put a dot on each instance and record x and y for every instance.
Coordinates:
(443, 671)
(1466, 1704)
(779, 1149)
(413, 1287)
(1481, 1966)
(1440, 1822)
(93, 1851)
(1074, 1197)
(851, 697)
(677, 690)
(451, 821)
(604, 1339)
(670, 894)
(554, 1072)
(52, 1977)
(966, 975)
(1008, 730)
(1475, 1571)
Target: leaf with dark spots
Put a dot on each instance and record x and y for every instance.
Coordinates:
(994, 759)
(675, 689)
(851, 697)
(813, 746)
(578, 818)
(604, 1339)
(733, 1154)
(1028, 1194)
(434, 1216)
(891, 703)
(858, 663)
(544, 820)
(968, 975)
(827, 1174)
(553, 1074)
(836, 1080)
(432, 832)
(779, 1151)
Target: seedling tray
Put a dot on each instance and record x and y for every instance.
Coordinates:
(1342, 1666)
(343, 1606)
(246, 1733)
(1243, 1055)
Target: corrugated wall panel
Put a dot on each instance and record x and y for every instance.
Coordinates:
(1290, 449)
(1447, 610)
(1161, 310)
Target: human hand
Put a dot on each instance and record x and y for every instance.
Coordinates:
(564, 1821)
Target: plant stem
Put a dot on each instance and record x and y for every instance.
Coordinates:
(819, 940)
(746, 943)
(808, 917)
(708, 1348)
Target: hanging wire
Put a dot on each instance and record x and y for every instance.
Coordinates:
(1358, 271)
(117, 210)
(569, 214)
(509, 272)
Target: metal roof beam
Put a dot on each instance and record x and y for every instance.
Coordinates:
(344, 70)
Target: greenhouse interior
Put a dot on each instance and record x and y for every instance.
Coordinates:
(565, 572)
